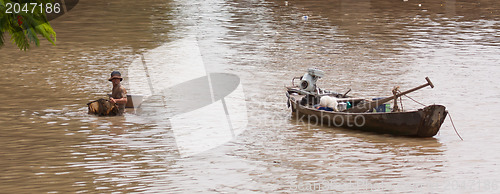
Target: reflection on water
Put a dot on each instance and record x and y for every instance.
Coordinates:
(50, 144)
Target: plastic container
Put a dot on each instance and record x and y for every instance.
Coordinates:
(349, 105)
(383, 107)
(342, 106)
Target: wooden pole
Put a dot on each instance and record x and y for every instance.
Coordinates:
(368, 106)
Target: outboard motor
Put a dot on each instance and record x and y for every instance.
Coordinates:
(308, 81)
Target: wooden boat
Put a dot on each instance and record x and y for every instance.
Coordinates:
(424, 122)
(134, 101)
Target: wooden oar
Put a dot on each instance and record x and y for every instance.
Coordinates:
(368, 106)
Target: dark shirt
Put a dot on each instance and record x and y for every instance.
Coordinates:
(119, 92)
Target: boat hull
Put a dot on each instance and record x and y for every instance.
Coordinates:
(424, 122)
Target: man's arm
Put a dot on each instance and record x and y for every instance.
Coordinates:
(119, 100)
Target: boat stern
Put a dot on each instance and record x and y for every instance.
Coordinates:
(433, 118)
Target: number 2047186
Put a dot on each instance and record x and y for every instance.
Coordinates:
(33, 8)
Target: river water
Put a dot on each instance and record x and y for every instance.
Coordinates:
(49, 143)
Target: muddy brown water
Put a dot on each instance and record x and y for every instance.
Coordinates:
(49, 144)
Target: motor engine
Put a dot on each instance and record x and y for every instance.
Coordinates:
(308, 81)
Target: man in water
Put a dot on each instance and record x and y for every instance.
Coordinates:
(119, 94)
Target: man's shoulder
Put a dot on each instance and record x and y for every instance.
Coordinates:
(122, 89)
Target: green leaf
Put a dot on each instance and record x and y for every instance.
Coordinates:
(33, 25)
